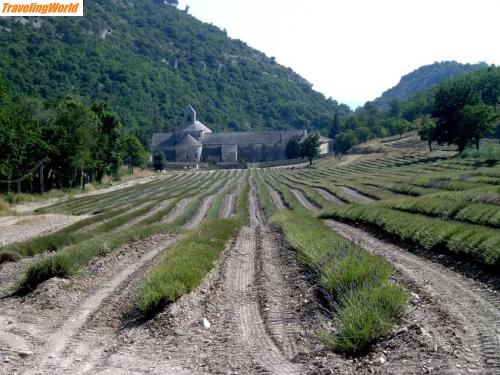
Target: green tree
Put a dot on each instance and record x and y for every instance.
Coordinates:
(401, 126)
(292, 150)
(475, 122)
(363, 134)
(309, 147)
(395, 108)
(427, 126)
(159, 161)
(449, 103)
(345, 141)
(109, 153)
(335, 127)
(133, 152)
(76, 144)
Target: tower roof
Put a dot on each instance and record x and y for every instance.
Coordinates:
(196, 126)
(188, 140)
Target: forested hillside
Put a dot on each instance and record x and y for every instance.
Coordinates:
(147, 60)
(422, 79)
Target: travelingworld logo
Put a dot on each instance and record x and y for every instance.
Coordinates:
(41, 8)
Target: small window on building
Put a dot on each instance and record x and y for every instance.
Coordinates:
(189, 118)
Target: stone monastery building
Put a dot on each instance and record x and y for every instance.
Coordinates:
(194, 142)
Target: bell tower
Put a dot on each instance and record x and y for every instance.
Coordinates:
(189, 115)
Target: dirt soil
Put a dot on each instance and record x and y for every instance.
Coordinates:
(177, 211)
(275, 197)
(256, 312)
(229, 202)
(202, 212)
(59, 325)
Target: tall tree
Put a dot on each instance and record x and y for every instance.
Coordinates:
(109, 158)
(426, 130)
(292, 150)
(475, 122)
(449, 103)
(345, 141)
(335, 127)
(309, 147)
(133, 153)
(401, 126)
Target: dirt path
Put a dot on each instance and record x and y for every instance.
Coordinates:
(202, 212)
(275, 197)
(353, 193)
(21, 228)
(329, 196)
(229, 203)
(469, 303)
(241, 283)
(347, 159)
(177, 211)
(304, 201)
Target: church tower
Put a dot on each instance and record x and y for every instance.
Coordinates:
(189, 115)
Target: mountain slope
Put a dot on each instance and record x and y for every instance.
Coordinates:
(148, 60)
(424, 78)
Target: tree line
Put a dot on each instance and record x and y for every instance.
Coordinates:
(48, 144)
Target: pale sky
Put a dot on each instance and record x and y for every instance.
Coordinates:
(353, 50)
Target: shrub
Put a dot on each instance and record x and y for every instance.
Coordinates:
(365, 316)
(53, 266)
(8, 256)
(355, 270)
(366, 306)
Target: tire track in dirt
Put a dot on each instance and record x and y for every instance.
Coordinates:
(353, 193)
(202, 212)
(471, 303)
(304, 201)
(229, 203)
(151, 212)
(232, 297)
(177, 211)
(275, 197)
(329, 196)
(241, 280)
(64, 340)
(54, 357)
